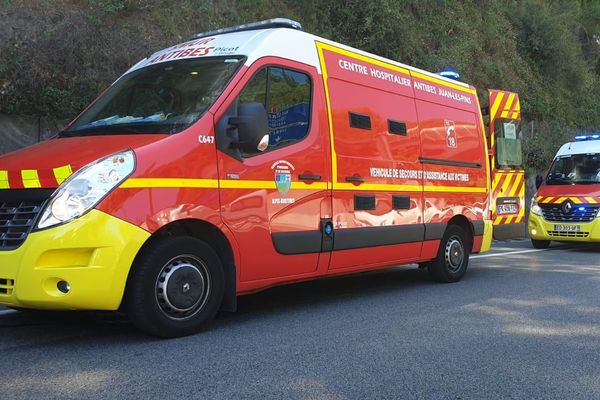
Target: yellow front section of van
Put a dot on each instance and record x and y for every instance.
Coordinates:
(90, 256)
(540, 229)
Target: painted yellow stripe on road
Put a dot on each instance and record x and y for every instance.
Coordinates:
(4, 180)
(62, 173)
(30, 178)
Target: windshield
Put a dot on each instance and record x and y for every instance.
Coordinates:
(163, 98)
(575, 169)
(508, 143)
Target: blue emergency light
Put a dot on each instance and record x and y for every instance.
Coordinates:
(587, 136)
(449, 72)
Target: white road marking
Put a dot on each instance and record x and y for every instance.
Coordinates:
(508, 253)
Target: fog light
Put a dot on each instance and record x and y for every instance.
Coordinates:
(63, 286)
(533, 232)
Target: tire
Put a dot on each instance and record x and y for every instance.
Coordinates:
(175, 287)
(540, 244)
(452, 259)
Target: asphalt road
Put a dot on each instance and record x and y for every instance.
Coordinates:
(522, 324)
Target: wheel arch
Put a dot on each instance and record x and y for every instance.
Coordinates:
(464, 223)
(215, 238)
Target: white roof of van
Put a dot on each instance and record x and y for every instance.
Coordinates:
(286, 43)
(579, 147)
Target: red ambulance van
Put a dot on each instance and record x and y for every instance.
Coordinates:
(245, 158)
(566, 207)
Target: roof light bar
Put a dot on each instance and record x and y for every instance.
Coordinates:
(591, 136)
(266, 24)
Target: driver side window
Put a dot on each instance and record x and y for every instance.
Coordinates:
(286, 96)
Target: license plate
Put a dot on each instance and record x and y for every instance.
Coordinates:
(567, 228)
(507, 209)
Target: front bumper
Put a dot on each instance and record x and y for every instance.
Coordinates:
(540, 229)
(92, 254)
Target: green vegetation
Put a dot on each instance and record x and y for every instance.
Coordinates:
(57, 55)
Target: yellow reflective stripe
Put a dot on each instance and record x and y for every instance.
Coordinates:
(349, 53)
(539, 199)
(495, 106)
(382, 187)
(30, 178)
(169, 183)
(516, 184)
(213, 184)
(507, 181)
(320, 47)
(62, 173)
(4, 180)
(251, 184)
(509, 101)
(589, 200)
(442, 82)
(547, 200)
(498, 220)
(576, 200)
(509, 219)
(455, 189)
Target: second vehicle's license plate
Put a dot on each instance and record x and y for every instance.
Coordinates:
(507, 209)
(567, 228)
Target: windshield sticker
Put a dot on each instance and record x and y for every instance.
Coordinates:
(283, 181)
(510, 131)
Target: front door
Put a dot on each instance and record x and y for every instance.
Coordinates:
(274, 200)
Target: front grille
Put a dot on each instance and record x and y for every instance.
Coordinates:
(19, 210)
(554, 212)
(6, 286)
(568, 234)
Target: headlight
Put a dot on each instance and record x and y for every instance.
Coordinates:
(86, 188)
(535, 208)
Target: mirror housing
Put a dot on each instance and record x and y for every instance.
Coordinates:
(538, 181)
(252, 124)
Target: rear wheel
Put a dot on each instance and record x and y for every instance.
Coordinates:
(175, 288)
(540, 244)
(453, 256)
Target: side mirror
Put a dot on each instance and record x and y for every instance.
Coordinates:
(252, 125)
(538, 181)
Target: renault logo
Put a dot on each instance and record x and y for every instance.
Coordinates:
(567, 207)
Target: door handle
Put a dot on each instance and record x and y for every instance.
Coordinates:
(355, 179)
(309, 177)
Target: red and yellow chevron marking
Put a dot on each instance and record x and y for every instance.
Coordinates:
(504, 105)
(509, 184)
(33, 178)
(574, 199)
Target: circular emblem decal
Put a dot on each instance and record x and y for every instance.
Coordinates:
(567, 207)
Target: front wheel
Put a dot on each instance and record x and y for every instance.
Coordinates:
(175, 288)
(453, 256)
(540, 244)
